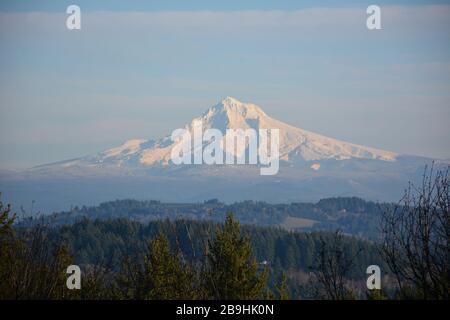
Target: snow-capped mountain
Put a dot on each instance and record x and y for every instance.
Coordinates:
(296, 145)
(312, 167)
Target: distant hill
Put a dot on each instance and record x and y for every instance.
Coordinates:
(353, 216)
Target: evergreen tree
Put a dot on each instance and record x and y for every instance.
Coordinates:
(168, 277)
(161, 274)
(282, 289)
(231, 271)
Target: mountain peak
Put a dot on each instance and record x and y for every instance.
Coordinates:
(235, 108)
(229, 101)
(296, 145)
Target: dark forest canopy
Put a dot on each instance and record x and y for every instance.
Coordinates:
(111, 239)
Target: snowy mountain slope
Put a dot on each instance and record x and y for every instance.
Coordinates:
(296, 145)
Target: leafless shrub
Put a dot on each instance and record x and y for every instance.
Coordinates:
(416, 236)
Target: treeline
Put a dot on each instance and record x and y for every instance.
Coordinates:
(353, 216)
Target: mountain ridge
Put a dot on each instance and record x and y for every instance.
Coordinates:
(296, 144)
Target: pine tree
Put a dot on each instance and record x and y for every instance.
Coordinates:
(166, 275)
(160, 274)
(231, 271)
(282, 289)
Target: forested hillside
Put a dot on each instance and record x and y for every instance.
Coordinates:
(352, 216)
(109, 240)
(114, 245)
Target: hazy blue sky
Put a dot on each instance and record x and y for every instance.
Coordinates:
(142, 68)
